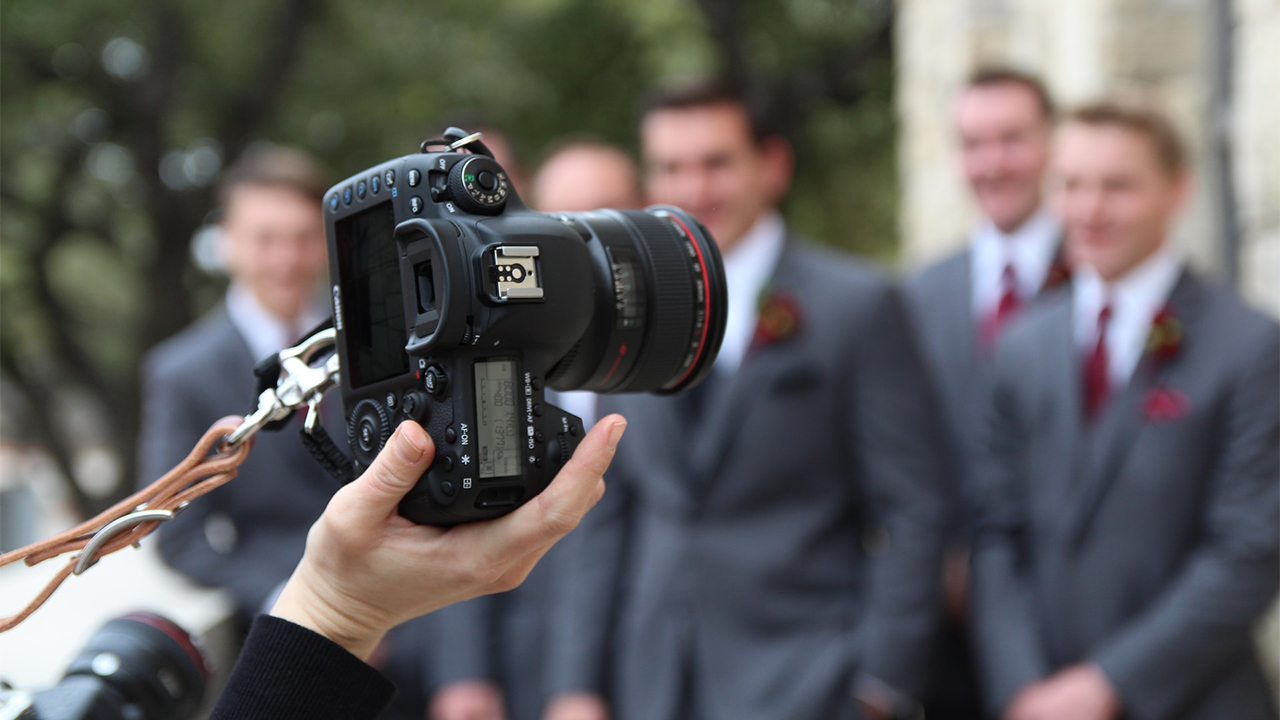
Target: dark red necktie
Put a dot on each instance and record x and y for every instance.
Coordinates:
(1004, 311)
(1097, 383)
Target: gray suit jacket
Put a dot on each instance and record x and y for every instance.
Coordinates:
(1149, 546)
(941, 301)
(787, 543)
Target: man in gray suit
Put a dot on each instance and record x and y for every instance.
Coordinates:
(1128, 523)
(248, 535)
(770, 542)
(1004, 122)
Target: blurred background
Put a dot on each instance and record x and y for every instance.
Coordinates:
(116, 117)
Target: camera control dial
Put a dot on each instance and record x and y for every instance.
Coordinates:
(369, 429)
(479, 185)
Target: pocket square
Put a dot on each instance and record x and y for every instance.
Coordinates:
(1162, 404)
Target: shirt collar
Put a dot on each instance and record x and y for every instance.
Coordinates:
(264, 332)
(1135, 299)
(748, 266)
(1029, 249)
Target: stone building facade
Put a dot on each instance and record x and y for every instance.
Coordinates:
(1211, 64)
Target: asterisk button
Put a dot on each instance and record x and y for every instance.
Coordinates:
(466, 459)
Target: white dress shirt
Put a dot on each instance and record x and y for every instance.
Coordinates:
(1135, 299)
(1029, 250)
(748, 267)
(265, 333)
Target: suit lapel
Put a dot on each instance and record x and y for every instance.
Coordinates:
(960, 325)
(1115, 432)
(729, 400)
(1065, 388)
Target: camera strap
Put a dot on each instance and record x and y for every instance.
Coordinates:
(287, 383)
(210, 465)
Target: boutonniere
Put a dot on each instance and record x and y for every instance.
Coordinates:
(778, 318)
(1163, 344)
(1165, 339)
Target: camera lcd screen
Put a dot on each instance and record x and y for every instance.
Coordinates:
(498, 446)
(372, 306)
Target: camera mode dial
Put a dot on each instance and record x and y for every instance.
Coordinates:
(479, 185)
(368, 430)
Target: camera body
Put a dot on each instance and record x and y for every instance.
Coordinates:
(456, 306)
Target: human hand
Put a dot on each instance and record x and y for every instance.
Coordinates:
(1078, 692)
(468, 700)
(576, 706)
(366, 569)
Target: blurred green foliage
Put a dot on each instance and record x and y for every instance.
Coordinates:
(115, 116)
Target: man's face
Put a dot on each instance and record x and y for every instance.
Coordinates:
(275, 245)
(1004, 139)
(705, 160)
(1116, 200)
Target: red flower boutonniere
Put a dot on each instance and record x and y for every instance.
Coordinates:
(1165, 339)
(1163, 344)
(779, 319)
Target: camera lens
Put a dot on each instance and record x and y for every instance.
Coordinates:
(154, 666)
(661, 304)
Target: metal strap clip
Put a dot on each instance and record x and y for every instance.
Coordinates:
(88, 557)
(301, 384)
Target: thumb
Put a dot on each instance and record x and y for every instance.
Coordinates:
(395, 471)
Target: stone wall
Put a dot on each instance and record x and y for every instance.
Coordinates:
(1255, 126)
(1162, 51)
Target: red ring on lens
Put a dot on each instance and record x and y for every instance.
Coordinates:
(706, 300)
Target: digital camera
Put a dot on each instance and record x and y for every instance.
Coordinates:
(456, 306)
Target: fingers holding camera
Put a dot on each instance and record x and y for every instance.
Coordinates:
(367, 569)
(376, 494)
(350, 586)
(522, 537)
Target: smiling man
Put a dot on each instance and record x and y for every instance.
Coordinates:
(1128, 528)
(770, 543)
(1003, 124)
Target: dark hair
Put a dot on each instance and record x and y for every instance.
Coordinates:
(1166, 142)
(274, 166)
(993, 75)
(760, 111)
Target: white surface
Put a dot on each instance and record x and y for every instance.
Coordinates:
(35, 654)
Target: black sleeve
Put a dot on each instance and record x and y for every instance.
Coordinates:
(288, 671)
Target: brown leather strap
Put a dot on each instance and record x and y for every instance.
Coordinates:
(198, 474)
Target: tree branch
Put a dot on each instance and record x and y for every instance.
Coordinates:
(252, 107)
(46, 428)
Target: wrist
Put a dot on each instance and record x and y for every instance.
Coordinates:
(301, 604)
